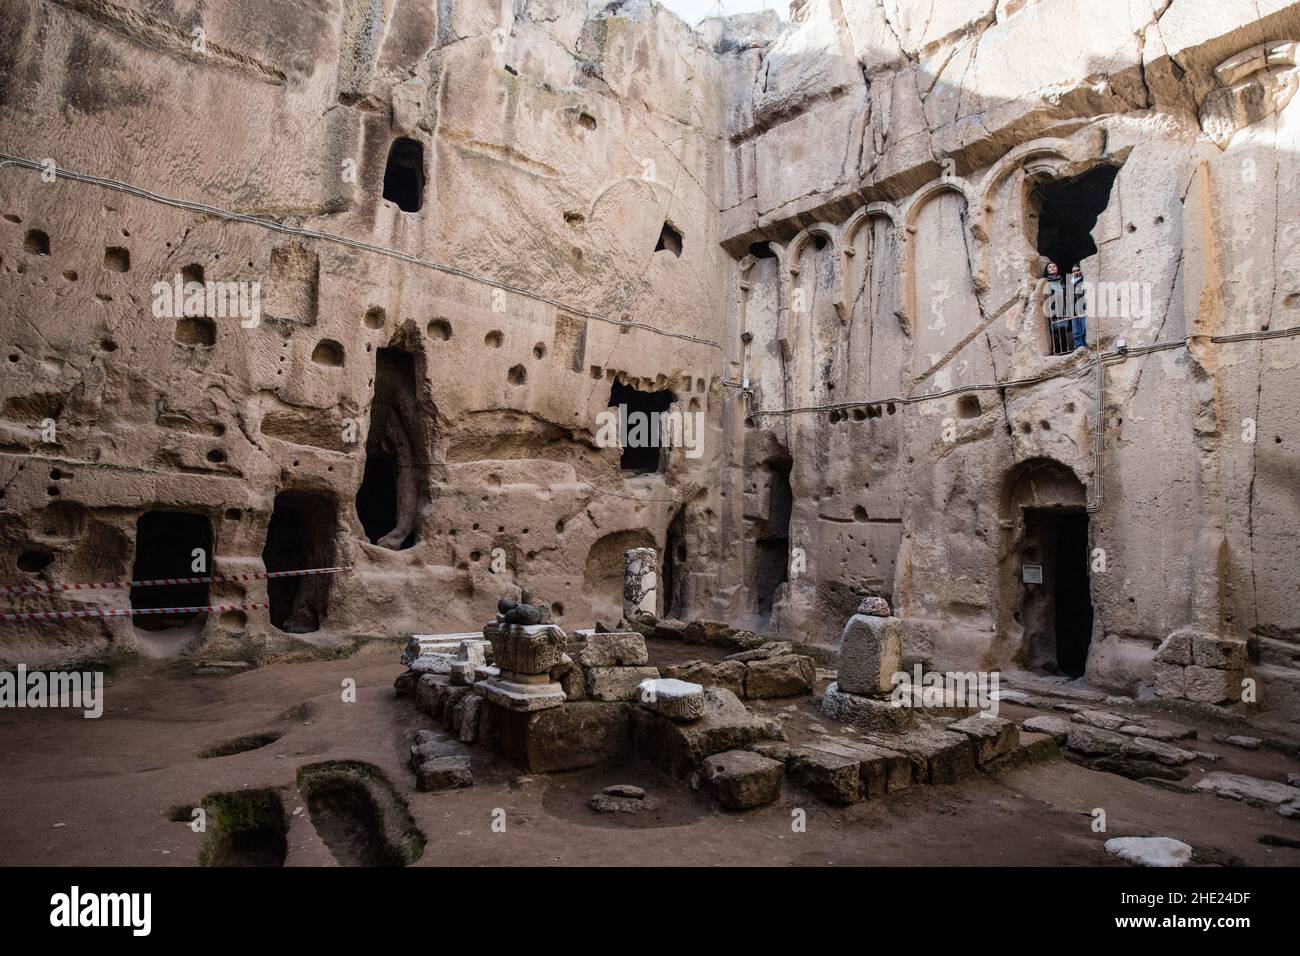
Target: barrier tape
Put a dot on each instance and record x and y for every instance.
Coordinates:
(11, 616)
(159, 582)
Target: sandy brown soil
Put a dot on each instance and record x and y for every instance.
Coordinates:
(94, 792)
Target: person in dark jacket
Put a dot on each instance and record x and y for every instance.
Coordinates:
(1077, 308)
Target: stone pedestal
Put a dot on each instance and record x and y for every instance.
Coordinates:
(640, 582)
(525, 656)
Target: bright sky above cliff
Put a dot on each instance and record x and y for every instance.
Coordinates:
(693, 11)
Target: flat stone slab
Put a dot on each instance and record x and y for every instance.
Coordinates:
(742, 779)
(865, 713)
(1150, 851)
(621, 799)
(1093, 741)
(1238, 786)
(1057, 728)
(520, 697)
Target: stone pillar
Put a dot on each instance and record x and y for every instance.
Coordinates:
(640, 583)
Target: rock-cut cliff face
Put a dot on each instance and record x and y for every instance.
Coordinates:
(896, 178)
(434, 245)
(438, 430)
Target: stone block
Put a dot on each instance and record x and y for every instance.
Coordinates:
(616, 649)
(783, 676)
(1177, 647)
(429, 691)
(742, 779)
(727, 674)
(574, 684)
(871, 652)
(1209, 685)
(577, 735)
(1170, 680)
(525, 698)
(832, 777)
(677, 748)
(938, 756)
(443, 773)
(990, 737)
(866, 713)
(471, 708)
(669, 629)
(452, 696)
(404, 686)
(428, 746)
(616, 683)
(1222, 653)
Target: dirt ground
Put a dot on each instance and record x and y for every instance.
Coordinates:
(96, 792)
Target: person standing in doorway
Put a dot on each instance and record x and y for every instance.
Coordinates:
(1077, 308)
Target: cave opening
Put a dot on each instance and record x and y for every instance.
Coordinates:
(670, 240)
(165, 546)
(641, 427)
(772, 538)
(300, 535)
(392, 483)
(1067, 213)
(674, 569)
(404, 175)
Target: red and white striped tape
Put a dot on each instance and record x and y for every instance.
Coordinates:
(10, 616)
(160, 582)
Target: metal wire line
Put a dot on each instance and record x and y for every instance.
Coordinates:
(1109, 358)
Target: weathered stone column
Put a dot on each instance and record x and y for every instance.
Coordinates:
(640, 583)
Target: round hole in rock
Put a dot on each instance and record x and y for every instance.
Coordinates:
(440, 329)
(586, 120)
(518, 375)
(968, 406)
(196, 332)
(557, 608)
(493, 339)
(374, 318)
(539, 351)
(216, 456)
(232, 514)
(192, 273)
(117, 259)
(328, 352)
(70, 275)
(36, 242)
(33, 561)
(108, 345)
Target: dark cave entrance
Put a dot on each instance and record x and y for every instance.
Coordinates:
(1068, 212)
(300, 535)
(393, 480)
(640, 427)
(165, 542)
(674, 570)
(772, 542)
(1057, 614)
(404, 175)
(377, 496)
